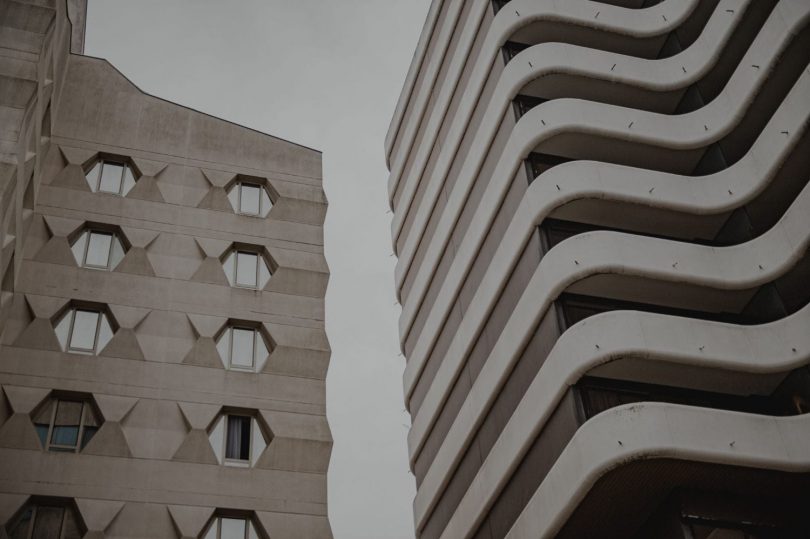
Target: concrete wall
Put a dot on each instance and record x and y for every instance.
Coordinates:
(159, 384)
(672, 134)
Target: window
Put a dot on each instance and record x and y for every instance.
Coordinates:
(98, 249)
(250, 199)
(43, 521)
(246, 269)
(114, 177)
(83, 331)
(231, 528)
(66, 425)
(237, 439)
(750, 528)
(242, 348)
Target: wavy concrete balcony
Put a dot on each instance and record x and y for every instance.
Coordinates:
(645, 140)
(556, 71)
(565, 168)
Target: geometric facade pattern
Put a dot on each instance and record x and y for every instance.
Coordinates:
(141, 394)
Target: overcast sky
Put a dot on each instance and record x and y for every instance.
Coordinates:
(326, 74)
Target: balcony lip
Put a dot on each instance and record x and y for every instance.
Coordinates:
(565, 116)
(658, 431)
(584, 179)
(548, 58)
(638, 23)
(761, 349)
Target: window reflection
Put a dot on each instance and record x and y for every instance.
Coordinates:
(113, 177)
(242, 348)
(66, 425)
(83, 331)
(44, 521)
(98, 249)
(246, 269)
(231, 528)
(237, 440)
(250, 199)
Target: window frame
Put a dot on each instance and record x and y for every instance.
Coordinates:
(257, 437)
(257, 256)
(82, 425)
(71, 311)
(259, 188)
(239, 463)
(90, 232)
(68, 511)
(231, 364)
(263, 190)
(126, 167)
(117, 242)
(230, 265)
(258, 338)
(216, 526)
(102, 163)
(71, 328)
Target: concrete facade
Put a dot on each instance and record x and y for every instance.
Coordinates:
(152, 424)
(601, 219)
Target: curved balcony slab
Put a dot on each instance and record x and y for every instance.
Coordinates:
(641, 23)
(657, 340)
(570, 116)
(658, 431)
(407, 129)
(533, 67)
(717, 193)
(564, 115)
(737, 267)
(410, 79)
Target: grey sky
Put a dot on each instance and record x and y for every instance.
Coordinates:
(326, 74)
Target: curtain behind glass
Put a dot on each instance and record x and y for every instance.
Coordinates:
(238, 443)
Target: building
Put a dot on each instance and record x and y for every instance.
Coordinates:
(163, 348)
(601, 218)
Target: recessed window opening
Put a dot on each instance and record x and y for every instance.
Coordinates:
(242, 348)
(113, 177)
(46, 521)
(66, 425)
(231, 528)
(83, 331)
(250, 198)
(237, 439)
(246, 269)
(98, 249)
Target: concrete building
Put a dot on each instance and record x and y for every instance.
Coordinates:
(163, 353)
(601, 217)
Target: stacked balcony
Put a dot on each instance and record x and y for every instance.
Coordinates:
(601, 214)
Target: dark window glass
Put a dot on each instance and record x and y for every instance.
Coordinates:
(237, 446)
(66, 424)
(48, 522)
(21, 528)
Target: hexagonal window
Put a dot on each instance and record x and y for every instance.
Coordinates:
(99, 247)
(66, 423)
(232, 525)
(111, 175)
(84, 329)
(238, 438)
(47, 518)
(246, 267)
(250, 196)
(243, 346)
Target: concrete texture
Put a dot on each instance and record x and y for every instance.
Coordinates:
(670, 140)
(159, 383)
